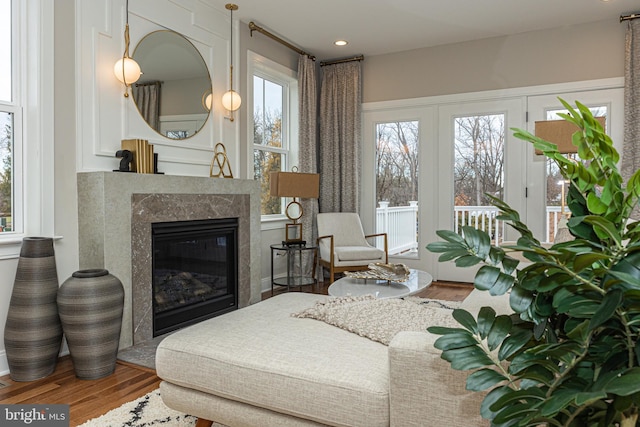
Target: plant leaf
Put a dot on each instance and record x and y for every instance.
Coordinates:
(483, 379)
(607, 308)
(625, 384)
(455, 340)
(499, 331)
(466, 320)
(513, 343)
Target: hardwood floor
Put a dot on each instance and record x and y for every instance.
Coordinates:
(90, 399)
(87, 399)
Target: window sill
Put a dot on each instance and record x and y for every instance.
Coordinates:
(274, 222)
(10, 245)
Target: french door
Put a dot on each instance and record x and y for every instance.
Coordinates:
(478, 156)
(545, 185)
(456, 150)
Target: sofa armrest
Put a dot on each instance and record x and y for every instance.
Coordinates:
(424, 390)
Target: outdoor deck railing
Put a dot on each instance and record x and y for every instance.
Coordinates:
(401, 224)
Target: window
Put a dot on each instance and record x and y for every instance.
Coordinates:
(7, 120)
(26, 122)
(556, 186)
(478, 170)
(397, 185)
(274, 126)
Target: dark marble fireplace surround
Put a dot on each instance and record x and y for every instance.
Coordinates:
(116, 211)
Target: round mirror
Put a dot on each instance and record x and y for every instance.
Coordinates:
(174, 84)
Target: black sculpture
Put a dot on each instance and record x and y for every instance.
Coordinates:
(125, 162)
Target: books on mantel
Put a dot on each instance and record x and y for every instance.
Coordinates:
(142, 155)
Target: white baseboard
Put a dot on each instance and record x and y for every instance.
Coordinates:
(4, 364)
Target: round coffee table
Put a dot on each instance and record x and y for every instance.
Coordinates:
(418, 280)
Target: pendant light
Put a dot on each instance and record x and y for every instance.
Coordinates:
(231, 99)
(126, 69)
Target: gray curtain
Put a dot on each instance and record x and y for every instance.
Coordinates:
(340, 108)
(631, 147)
(307, 138)
(147, 98)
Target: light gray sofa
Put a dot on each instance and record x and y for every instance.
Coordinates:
(259, 366)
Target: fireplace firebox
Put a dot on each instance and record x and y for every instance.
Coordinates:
(195, 271)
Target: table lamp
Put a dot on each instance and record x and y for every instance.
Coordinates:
(297, 185)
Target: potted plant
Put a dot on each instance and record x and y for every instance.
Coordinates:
(569, 355)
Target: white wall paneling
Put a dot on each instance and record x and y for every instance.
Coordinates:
(105, 116)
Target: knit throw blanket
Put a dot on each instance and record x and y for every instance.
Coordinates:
(381, 319)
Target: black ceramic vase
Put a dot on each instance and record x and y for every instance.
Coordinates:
(33, 334)
(90, 303)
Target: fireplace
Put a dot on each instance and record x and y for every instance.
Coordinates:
(195, 271)
(115, 214)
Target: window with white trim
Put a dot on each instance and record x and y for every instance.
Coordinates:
(26, 122)
(9, 117)
(274, 132)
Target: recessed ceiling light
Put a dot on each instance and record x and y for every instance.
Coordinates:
(341, 42)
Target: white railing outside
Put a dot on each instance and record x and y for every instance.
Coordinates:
(401, 224)
(553, 216)
(481, 217)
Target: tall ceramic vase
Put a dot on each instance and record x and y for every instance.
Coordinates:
(33, 333)
(91, 303)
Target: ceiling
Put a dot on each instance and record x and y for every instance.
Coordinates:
(375, 27)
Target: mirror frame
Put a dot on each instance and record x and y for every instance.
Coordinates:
(200, 99)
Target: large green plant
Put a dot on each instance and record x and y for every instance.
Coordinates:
(569, 355)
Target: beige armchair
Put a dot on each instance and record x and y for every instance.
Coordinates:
(343, 246)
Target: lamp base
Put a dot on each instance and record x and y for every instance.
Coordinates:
(293, 232)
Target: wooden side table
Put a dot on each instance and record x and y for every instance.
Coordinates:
(296, 255)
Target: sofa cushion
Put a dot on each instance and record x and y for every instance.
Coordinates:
(263, 356)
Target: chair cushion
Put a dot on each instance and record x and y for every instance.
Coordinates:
(263, 356)
(358, 253)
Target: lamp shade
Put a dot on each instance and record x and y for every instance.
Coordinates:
(295, 184)
(128, 74)
(560, 132)
(231, 100)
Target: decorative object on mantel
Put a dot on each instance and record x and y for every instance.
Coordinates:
(91, 303)
(380, 271)
(144, 160)
(126, 157)
(33, 333)
(126, 69)
(220, 162)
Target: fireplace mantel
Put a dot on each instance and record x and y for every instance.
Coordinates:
(113, 209)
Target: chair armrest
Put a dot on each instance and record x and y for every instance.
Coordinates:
(330, 237)
(424, 389)
(386, 245)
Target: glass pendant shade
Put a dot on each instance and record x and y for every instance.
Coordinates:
(130, 73)
(231, 100)
(208, 100)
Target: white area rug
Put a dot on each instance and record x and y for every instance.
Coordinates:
(147, 411)
(381, 319)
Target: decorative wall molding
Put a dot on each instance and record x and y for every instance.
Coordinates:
(105, 116)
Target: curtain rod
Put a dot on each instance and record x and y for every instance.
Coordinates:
(253, 27)
(340, 61)
(629, 17)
